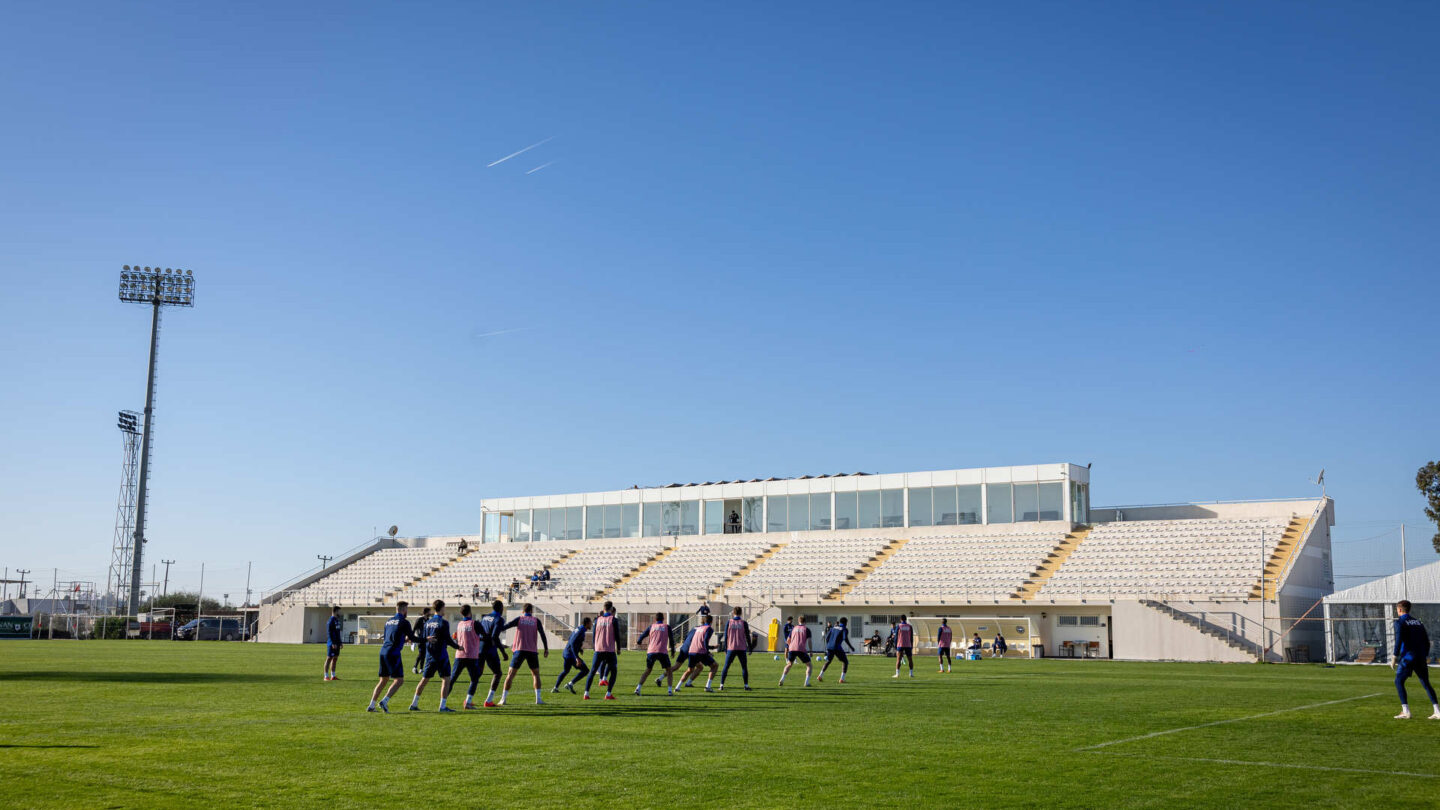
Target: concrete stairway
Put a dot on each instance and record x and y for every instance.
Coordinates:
(1286, 548)
(867, 569)
(657, 557)
(1051, 564)
(751, 566)
(1246, 646)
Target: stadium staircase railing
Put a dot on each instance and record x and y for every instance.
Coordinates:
(1243, 633)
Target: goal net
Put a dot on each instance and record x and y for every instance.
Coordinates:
(1019, 633)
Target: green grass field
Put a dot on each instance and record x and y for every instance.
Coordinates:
(169, 724)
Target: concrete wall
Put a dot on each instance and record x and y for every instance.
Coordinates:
(1190, 511)
(1145, 634)
(281, 625)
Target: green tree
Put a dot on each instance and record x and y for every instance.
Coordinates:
(183, 599)
(1427, 480)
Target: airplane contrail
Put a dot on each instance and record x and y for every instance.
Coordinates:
(501, 332)
(521, 152)
(541, 166)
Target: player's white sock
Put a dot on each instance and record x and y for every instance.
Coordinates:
(912, 672)
(708, 680)
(372, 705)
(385, 701)
(504, 693)
(490, 698)
(1404, 712)
(537, 697)
(442, 702)
(1436, 714)
(415, 704)
(807, 680)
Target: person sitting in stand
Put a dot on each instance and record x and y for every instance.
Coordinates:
(873, 643)
(464, 546)
(998, 646)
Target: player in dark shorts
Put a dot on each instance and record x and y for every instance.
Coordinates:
(392, 661)
(467, 658)
(528, 630)
(572, 657)
(904, 646)
(657, 651)
(438, 642)
(682, 662)
(420, 641)
(332, 644)
(797, 648)
(606, 645)
(739, 642)
(943, 636)
(700, 656)
(1412, 657)
(837, 638)
(490, 628)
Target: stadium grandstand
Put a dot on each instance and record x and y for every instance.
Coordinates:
(1017, 550)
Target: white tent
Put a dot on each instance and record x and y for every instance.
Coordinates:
(1359, 620)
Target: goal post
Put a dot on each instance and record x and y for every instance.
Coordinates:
(1019, 632)
(371, 629)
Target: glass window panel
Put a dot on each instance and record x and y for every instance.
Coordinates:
(846, 514)
(573, 522)
(613, 520)
(967, 504)
(1027, 502)
(775, 514)
(670, 517)
(595, 521)
(650, 526)
(1052, 501)
(752, 515)
(945, 511)
(629, 521)
(869, 509)
(689, 517)
(920, 506)
(892, 508)
(997, 503)
(799, 513)
(819, 511)
(540, 524)
(714, 517)
(492, 527)
(522, 525)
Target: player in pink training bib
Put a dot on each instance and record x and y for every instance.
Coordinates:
(904, 646)
(942, 642)
(604, 661)
(700, 656)
(798, 647)
(528, 631)
(658, 650)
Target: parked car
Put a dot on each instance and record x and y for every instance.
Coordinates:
(209, 630)
(159, 629)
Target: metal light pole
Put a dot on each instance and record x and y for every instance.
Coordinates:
(165, 589)
(158, 287)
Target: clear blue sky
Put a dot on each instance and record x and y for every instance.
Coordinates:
(1192, 245)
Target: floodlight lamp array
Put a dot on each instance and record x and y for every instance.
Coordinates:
(147, 285)
(129, 422)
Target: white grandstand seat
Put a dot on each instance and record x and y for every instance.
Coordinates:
(1213, 557)
(962, 565)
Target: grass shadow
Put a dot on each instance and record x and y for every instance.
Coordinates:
(70, 675)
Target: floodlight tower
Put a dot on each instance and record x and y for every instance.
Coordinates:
(158, 287)
(119, 579)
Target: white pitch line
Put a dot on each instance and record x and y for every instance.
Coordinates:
(1223, 722)
(1274, 765)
